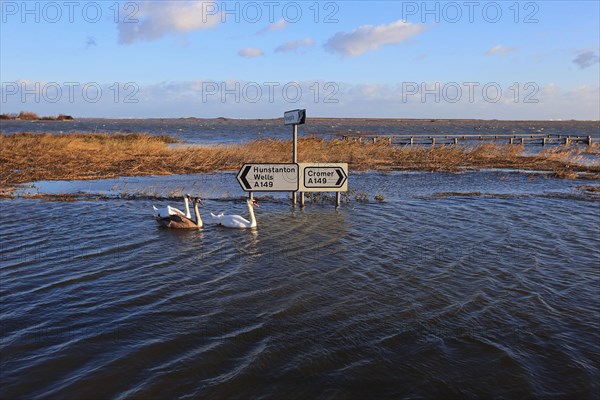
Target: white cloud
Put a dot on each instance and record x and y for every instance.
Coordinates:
(237, 98)
(369, 37)
(499, 49)
(295, 45)
(156, 19)
(275, 26)
(581, 102)
(586, 59)
(550, 89)
(250, 52)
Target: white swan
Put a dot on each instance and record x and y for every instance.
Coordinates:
(168, 210)
(214, 219)
(237, 221)
(181, 222)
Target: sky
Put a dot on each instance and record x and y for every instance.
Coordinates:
(256, 59)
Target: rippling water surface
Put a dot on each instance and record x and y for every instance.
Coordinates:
(474, 285)
(222, 130)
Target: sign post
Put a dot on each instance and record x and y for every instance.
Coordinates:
(294, 177)
(295, 118)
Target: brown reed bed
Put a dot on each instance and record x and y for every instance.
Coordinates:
(28, 157)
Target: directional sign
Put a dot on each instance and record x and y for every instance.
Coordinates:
(294, 117)
(323, 177)
(269, 177)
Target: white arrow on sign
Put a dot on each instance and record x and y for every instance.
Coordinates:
(323, 177)
(268, 177)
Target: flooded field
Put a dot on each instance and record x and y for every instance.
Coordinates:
(224, 131)
(472, 285)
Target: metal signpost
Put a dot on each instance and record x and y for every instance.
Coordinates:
(294, 177)
(295, 118)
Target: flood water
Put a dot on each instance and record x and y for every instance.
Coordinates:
(227, 131)
(472, 285)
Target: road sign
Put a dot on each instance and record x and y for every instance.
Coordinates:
(294, 117)
(269, 177)
(321, 177)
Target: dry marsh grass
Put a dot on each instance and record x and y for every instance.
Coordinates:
(27, 157)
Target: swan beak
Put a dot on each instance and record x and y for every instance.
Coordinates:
(255, 204)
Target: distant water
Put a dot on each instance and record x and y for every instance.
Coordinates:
(226, 131)
(472, 285)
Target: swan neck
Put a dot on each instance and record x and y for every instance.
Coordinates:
(252, 217)
(187, 207)
(198, 219)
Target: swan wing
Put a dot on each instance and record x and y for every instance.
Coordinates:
(234, 221)
(176, 222)
(215, 219)
(161, 212)
(167, 211)
(175, 211)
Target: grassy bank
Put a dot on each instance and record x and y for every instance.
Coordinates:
(31, 116)
(27, 157)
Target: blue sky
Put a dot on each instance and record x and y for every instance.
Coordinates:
(390, 59)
